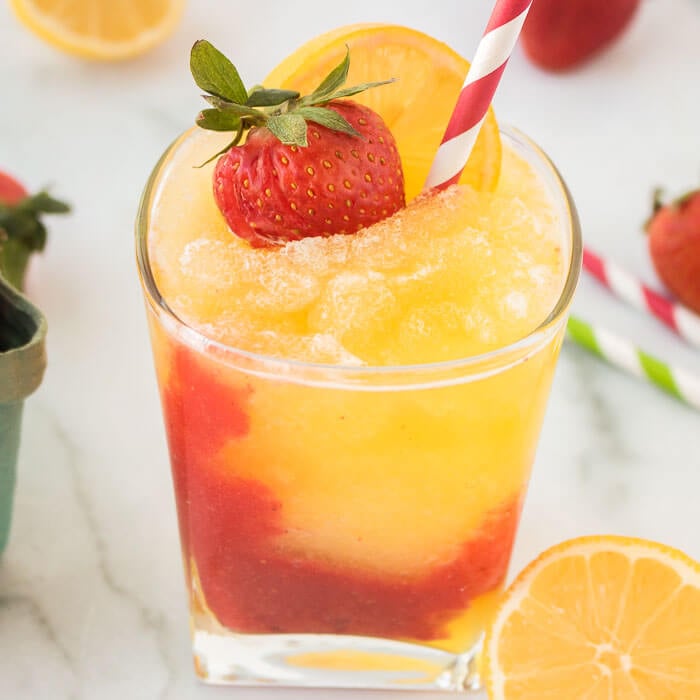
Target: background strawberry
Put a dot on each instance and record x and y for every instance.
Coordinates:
(310, 166)
(22, 231)
(674, 244)
(561, 34)
(11, 191)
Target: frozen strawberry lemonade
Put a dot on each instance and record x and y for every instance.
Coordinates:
(331, 476)
(353, 512)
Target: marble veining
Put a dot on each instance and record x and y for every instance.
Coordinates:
(610, 447)
(150, 620)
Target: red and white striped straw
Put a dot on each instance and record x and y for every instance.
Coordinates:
(624, 285)
(489, 62)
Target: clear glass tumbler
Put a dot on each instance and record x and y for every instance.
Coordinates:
(349, 526)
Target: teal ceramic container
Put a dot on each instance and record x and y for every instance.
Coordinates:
(22, 364)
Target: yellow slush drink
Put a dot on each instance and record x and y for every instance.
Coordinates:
(352, 419)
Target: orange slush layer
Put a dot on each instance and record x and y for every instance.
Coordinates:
(448, 277)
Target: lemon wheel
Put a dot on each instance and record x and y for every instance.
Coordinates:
(96, 29)
(599, 618)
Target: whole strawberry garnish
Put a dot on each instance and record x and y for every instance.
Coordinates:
(561, 34)
(22, 231)
(674, 244)
(310, 166)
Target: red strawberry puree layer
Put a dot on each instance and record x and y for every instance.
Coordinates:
(229, 526)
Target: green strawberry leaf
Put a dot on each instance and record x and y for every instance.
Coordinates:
(22, 222)
(236, 140)
(356, 89)
(240, 110)
(14, 258)
(43, 203)
(333, 80)
(328, 118)
(215, 74)
(289, 128)
(215, 120)
(263, 97)
(23, 227)
(22, 232)
(284, 112)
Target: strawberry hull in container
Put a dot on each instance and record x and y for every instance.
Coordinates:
(352, 385)
(22, 325)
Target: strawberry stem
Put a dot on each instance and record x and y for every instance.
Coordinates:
(22, 232)
(657, 202)
(284, 112)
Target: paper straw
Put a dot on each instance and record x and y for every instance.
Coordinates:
(489, 62)
(624, 285)
(624, 355)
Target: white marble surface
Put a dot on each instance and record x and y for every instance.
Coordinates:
(92, 603)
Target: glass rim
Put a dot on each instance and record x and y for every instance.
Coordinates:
(483, 364)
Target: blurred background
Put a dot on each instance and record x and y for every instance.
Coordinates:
(91, 597)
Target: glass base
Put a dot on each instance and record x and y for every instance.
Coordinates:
(330, 661)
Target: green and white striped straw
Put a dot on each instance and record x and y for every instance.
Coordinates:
(624, 355)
